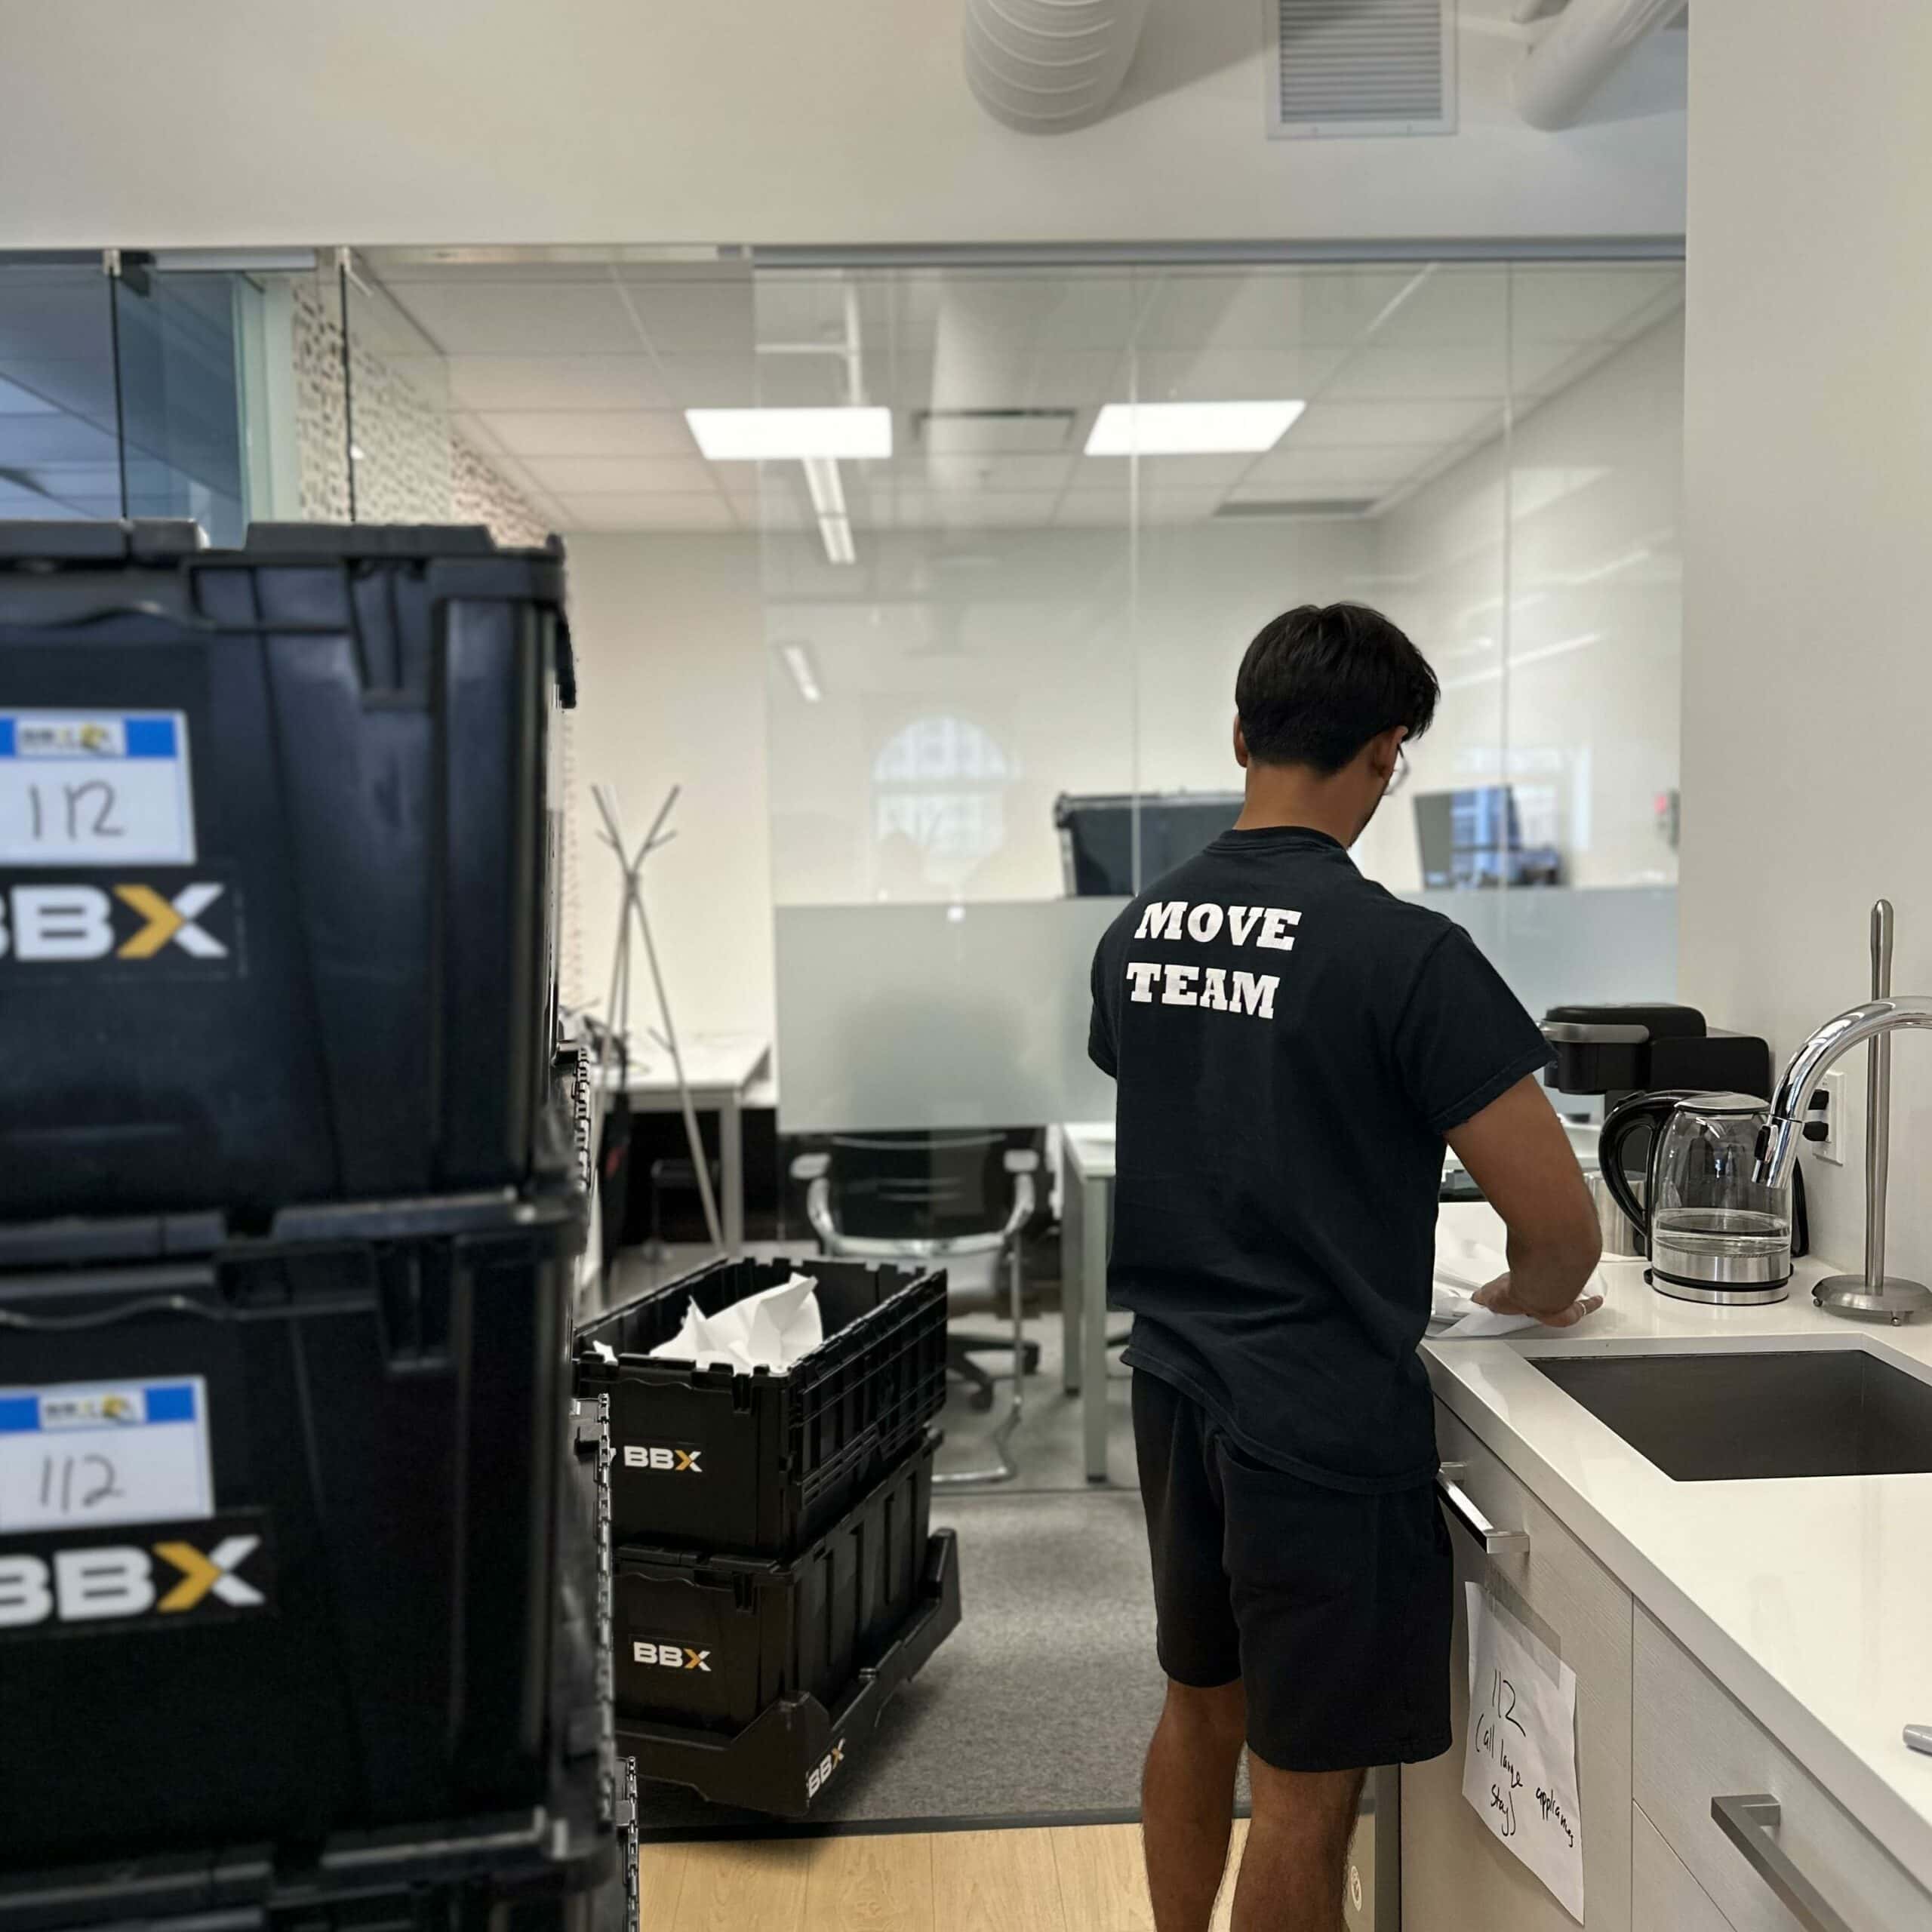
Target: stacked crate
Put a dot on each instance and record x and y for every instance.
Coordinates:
(776, 1579)
(303, 1617)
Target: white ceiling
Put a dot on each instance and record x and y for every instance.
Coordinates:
(573, 378)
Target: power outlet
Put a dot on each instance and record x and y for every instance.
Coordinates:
(1832, 1148)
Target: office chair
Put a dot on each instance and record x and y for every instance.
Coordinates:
(957, 1200)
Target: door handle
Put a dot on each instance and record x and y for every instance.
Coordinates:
(1463, 1507)
(1751, 1823)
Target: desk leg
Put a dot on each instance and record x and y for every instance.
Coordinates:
(731, 1161)
(1094, 1204)
(1073, 1278)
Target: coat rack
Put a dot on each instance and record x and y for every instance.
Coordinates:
(619, 1005)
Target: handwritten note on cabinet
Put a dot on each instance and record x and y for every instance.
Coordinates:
(1519, 1765)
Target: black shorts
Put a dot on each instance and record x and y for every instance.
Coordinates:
(1334, 1609)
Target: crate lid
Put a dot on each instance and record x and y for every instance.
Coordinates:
(31, 541)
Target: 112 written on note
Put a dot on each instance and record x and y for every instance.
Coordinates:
(1519, 1763)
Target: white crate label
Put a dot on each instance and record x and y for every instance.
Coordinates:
(95, 789)
(76, 1453)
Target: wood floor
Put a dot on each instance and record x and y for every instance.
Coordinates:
(1060, 1878)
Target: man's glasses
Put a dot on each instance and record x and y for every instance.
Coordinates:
(1399, 776)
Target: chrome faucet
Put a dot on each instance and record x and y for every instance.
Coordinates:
(1873, 1293)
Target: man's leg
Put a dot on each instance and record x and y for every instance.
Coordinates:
(1187, 1801)
(1295, 1863)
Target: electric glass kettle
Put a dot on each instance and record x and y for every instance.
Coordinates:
(1713, 1232)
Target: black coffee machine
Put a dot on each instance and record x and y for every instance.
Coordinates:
(1615, 1051)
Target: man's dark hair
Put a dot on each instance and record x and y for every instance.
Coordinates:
(1321, 680)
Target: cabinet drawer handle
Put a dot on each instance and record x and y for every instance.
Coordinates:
(1463, 1507)
(1751, 1823)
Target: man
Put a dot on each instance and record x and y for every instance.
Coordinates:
(1292, 1045)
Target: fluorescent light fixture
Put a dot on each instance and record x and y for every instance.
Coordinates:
(827, 495)
(835, 533)
(798, 661)
(1190, 429)
(828, 491)
(779, 435)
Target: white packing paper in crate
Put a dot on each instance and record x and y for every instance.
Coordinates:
(770, 1329)
(1519, 1763)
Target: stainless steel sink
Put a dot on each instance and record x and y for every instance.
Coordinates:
(1723, 1418)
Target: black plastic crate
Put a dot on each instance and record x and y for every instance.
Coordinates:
(798, 1748)
(276, 870)
(758, 1465)
(709, 1642)
(349, 1625)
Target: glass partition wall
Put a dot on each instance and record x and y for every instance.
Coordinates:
(1004, 573)
(1003, 617)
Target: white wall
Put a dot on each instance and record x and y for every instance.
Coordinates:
(1022, 665)
(1582, 718)
(1808, 684)
(670, 638)
(200, 121)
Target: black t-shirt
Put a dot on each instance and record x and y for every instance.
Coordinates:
(1290, 1044)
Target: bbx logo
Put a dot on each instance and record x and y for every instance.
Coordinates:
(815, 1780)
(671, 1656)
(659, 1455)
(118, 1580)
(69, 922)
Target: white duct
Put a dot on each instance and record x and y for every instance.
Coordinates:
(1043, 66)
(1590, 39)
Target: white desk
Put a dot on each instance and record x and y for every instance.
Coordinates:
(718, 1069)
(1087, 1203)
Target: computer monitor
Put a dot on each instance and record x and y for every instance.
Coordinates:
(1097, 837)
(1469, 838)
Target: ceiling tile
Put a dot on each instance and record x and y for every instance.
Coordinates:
(1371, 465)
(622, 510)
(1471, 371)
(1230, 375)
(1468, 307)
(1268, 308)
(1060, 377)
(970, 473)
(1104, 508)
(1350, 425)
(695, 318)
(477, 317)
(537, 433)
(724, 381)
(579, 475)
(1161, 472)
(557, 382)
(1577, 303)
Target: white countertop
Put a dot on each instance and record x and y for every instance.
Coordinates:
(1809, 1600)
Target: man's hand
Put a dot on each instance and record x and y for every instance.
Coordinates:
(1495, 1297)
(1517, 1152)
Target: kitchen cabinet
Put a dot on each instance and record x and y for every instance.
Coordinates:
(1664, 1897)
(1455, 1876)
(1693, 1743)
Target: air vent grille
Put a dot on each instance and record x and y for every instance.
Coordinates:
(1362, 67)
(1248, 511)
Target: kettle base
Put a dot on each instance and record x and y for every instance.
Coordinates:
(1738, 1295)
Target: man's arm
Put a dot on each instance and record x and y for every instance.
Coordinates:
(1517, 1152)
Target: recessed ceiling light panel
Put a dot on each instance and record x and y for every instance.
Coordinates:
(1190, 429)
(780, 436)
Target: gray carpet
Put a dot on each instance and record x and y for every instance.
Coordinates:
(1041, 1702)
